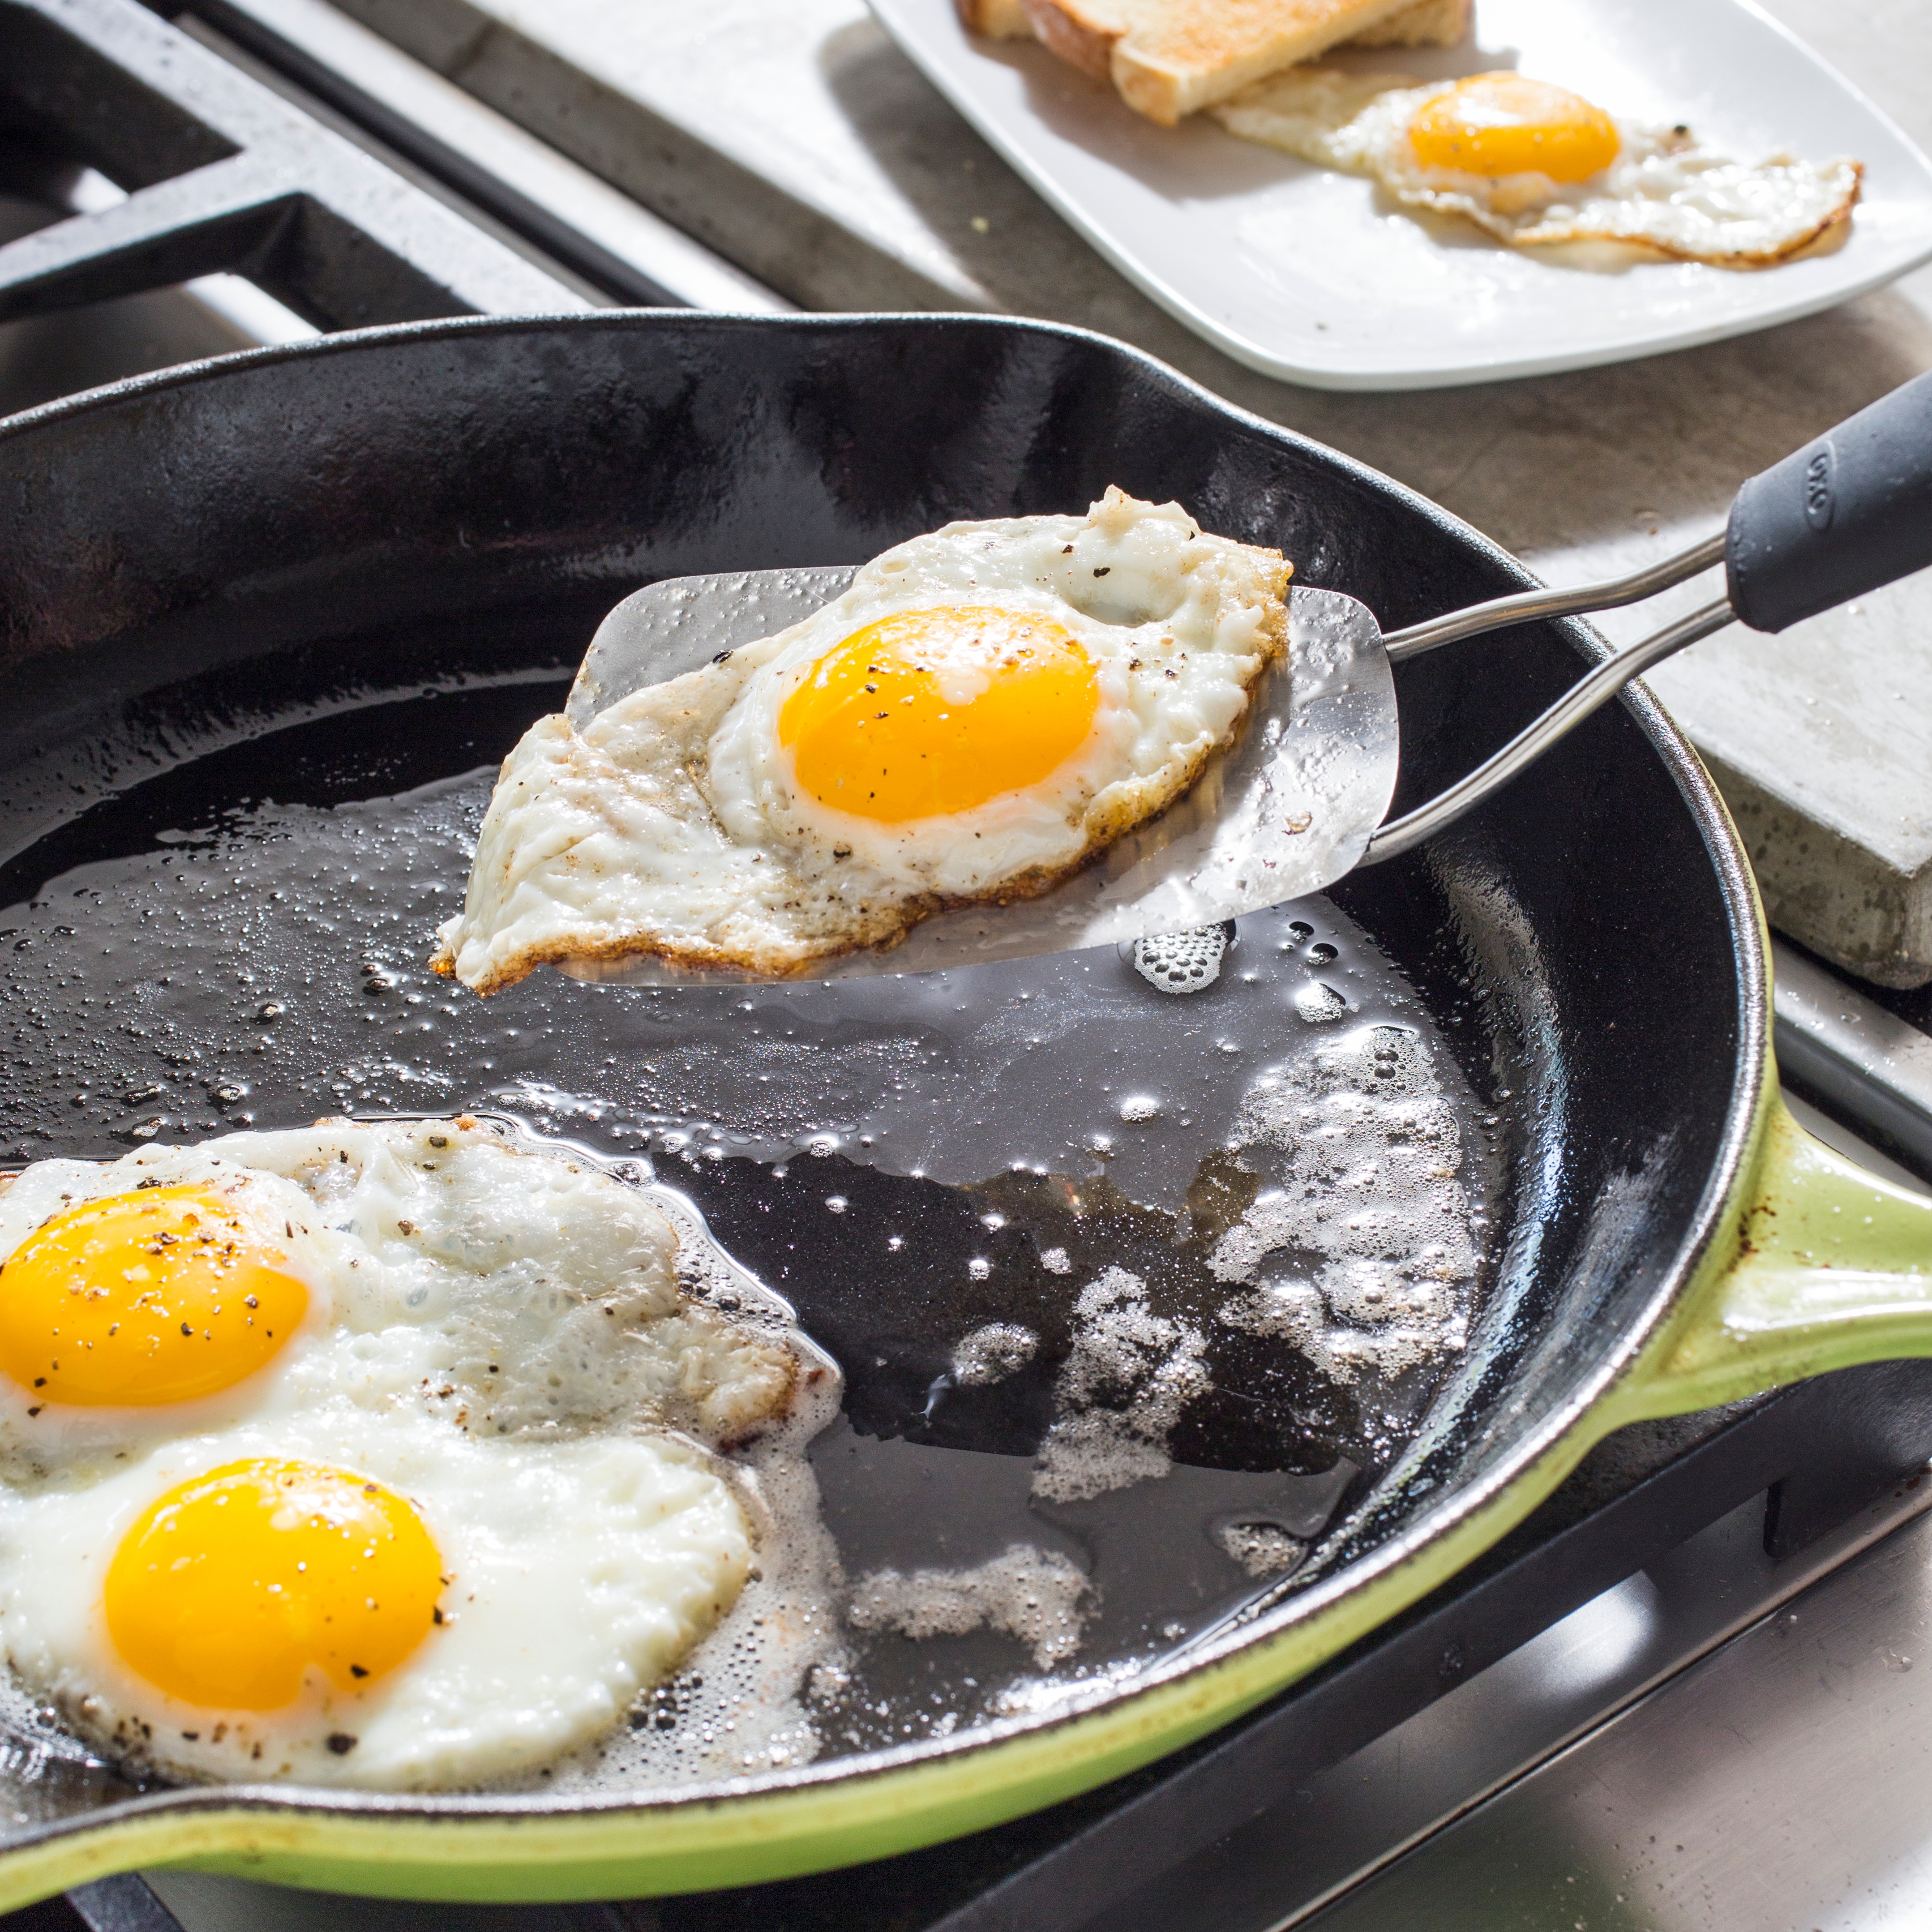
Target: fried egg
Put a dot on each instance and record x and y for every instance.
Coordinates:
(1533, 162)
(346, 1599)
(987, 708)
(402, 1383)
(423, 1264)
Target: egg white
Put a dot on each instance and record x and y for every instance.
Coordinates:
(521, 1293)
(1665, 191)
(579, 1572)
(672, 824)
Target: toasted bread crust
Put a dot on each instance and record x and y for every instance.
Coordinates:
(1195, 53)
(1423, 23)
(996, 19)
(1082, 34)
(1169, 57)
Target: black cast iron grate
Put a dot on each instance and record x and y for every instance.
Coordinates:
(222, 174)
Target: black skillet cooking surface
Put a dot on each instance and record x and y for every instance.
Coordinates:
(268, 631)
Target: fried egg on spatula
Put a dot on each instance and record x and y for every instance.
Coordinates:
(985, 710)
(1534, 164)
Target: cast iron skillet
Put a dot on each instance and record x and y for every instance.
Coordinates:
(197, 554)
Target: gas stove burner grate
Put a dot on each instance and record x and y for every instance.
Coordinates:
(222, 174)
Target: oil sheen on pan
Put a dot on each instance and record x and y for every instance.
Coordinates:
(1135, 1268)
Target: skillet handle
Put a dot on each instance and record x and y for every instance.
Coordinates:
(1850, 511)
(1829, 1266)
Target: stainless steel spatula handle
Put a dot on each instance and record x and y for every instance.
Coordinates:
(1850, 511)
(1534, 607)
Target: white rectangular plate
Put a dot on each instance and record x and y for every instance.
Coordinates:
(1320, 279)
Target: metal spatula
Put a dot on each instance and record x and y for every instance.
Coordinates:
(1298, 801)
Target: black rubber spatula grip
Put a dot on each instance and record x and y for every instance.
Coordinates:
(1850, 511)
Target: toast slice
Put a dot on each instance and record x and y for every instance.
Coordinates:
(996, 19)
(1168, 58)
(1423, 23)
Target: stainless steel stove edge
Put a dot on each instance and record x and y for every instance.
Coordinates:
(1844, 1049)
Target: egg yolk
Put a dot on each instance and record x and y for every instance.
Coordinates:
(232, 1585)
(159, 1296)
(936, 711)
(1504, 124)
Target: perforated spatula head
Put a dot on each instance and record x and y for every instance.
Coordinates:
(1286, 811)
